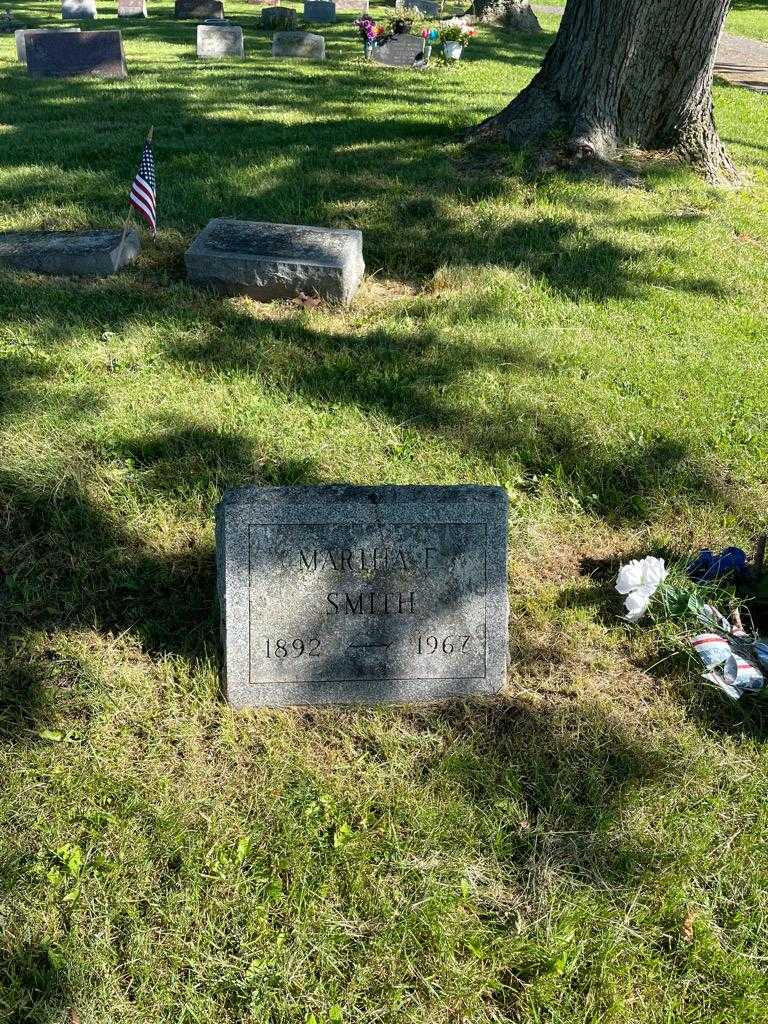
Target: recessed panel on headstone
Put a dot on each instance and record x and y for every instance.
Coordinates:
(199, 10)
(321, 11)
(277, 261)
(74, 54)
(78, 10)
(21, 34)
(79, 253)
(217, 41)
(401, 51)
(305, 45)
(339, 594)
(131, 8)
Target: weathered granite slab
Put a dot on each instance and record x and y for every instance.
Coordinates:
(277, 261)
(322, 11)
(79, 253)
(69, 55)
(215, 41)
(21, 34)
(428, 8)
(279, 18)
(306, 45)
(341, 594)
(401, 51)
(198, 10)
(78, 10)
(131, 8)
(360, 6)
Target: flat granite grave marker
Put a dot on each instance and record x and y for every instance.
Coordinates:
(321, 11)
(278, 18)
(69, 55)
(216, 41)
(21, 34)
(79, 253)
(340, 594)
(131, 8)
(276, 261)
(78, 10)
(305, 45)
(199, 10)
(401, 51)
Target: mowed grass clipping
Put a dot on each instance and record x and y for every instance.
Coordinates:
(590, 846)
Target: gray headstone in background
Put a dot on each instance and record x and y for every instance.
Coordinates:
(78, 10)
(342, 594)
(277, 261)
(214, 41)
(321, 11)
(199, 10)
(131, 8)
(427, 7)
(360, 6)
(22, 33)
(401, 51)
(81, 253)
(278, 18)
(70, 55)
(307, 45)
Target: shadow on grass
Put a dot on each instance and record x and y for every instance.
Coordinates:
(33, 987)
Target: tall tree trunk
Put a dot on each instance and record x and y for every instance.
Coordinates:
(514, 15)
(634, 71)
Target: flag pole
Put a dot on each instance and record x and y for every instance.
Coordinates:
(127, 220)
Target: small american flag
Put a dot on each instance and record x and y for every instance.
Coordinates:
(143, 188)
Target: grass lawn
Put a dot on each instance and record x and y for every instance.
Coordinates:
(749, 18)
(588, 847)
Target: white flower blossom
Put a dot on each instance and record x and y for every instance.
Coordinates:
(638, 581)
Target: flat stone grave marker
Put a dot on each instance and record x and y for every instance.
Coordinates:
(69, 55)
(321, 11)
(78, 10)
(306, 45)
(278, 18)
(22, 33)
(341, 594)
(131, 8)
(216, 41)
(277, 261)
(199, 10)
(401, 51)
(79, 253)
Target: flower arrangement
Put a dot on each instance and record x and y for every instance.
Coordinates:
(683, 600)
(368, 29)
(430, 36)
(457, 31)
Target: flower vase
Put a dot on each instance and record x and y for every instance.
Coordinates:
(452, 50)
(427, 52)
(368, 49)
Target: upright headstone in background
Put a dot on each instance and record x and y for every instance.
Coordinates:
(278, 19)
(22, 33)
(359, 6)
(426, 7)
(401, 51)
(131, 8)
(199, 10)
(79, 253)
(78, 10)
(306, 45)
(70, 55)
(214, 41)
(276, 261)
(321, 11)
(342, 594)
